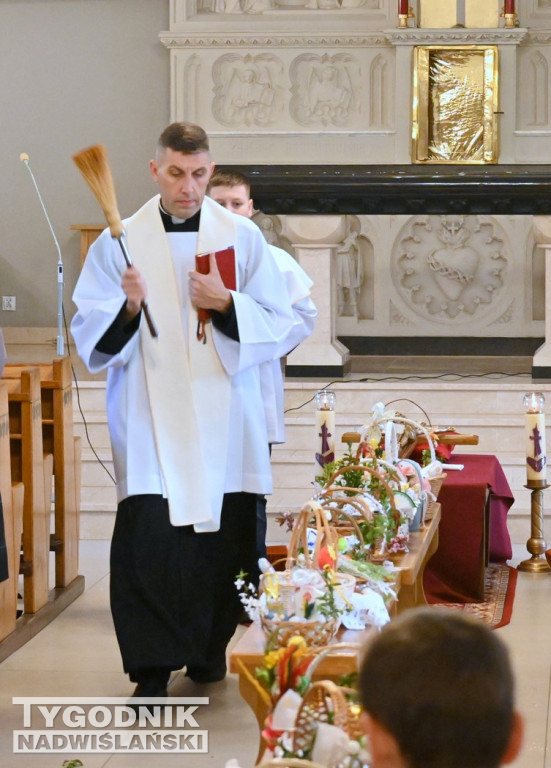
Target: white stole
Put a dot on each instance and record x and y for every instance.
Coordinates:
(189, 391)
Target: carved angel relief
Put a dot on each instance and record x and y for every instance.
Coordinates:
(450, 266)
(324, 89)
(246, 89)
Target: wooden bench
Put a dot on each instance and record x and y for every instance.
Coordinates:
(59, 440)
(32, 481)
(12, 504)
(29, 467)
(248, 652)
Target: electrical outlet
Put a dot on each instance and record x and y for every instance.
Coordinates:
(8, 303)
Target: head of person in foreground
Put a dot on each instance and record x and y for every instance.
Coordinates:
(437, 691)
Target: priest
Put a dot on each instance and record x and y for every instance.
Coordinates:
(185, 411)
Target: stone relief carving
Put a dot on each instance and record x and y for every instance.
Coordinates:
(450, 267)
(271, 229)
(507, 317)
(539, 87)
(247, 89)
(259, 6)
(396, 317)
(324, 89)
(219, 6)
(190, 91)
(381, 97)
(350, 275)
(354, 272)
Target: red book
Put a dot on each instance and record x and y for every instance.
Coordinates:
(225, 259)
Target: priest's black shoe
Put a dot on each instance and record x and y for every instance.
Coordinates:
(208, 673)
(144, 691)
(150, 689)
(152, 684)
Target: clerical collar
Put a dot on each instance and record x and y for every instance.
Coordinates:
(174, 224)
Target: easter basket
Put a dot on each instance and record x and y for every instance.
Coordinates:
(304, 548)
(313, 515)
(316, 633)
(357, 482)
(326, 702)
(289, 762)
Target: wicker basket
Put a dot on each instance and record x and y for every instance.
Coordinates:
(436, 484)
(325, 702)
(312, 514)
(288, 762)
(316, 633)
(331, 490)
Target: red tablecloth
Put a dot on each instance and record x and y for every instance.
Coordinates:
(455, 573)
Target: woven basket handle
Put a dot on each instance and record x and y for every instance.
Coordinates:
(361, 468)
(327, 650)
(325, 533)
(359, 504)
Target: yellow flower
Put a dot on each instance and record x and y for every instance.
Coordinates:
(272, 658)
(297, 641)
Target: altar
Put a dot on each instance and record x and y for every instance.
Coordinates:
(473, 529)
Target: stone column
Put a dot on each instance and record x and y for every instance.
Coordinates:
(314, 241)
(541, 363)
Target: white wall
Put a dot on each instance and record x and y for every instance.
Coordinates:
(73, 73)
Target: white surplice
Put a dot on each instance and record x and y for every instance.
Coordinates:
(180, 412)
(304, 312)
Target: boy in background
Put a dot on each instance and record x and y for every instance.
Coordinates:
(232, 190)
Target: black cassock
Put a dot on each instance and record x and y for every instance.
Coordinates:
(173, 597)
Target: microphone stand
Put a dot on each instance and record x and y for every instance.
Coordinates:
(60, 283)
(60, 341)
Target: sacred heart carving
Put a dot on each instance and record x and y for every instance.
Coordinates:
(453, 269)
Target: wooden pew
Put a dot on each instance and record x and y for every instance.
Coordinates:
(59, 440)
(28, 467)
(12, 503)
(31, 494)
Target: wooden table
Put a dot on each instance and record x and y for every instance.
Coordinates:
(248, 653)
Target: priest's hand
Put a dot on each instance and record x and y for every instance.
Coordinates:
(208, 291)
(135, 289)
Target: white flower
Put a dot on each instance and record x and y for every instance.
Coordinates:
(354, 748)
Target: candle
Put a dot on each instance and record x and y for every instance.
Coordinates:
(509, 6)
(325, 428)
(403, 7)
(536, 459)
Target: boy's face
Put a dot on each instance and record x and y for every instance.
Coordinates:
(235, 199)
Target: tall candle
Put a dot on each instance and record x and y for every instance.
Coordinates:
(509, 6)
(536, 458)
(325, 428)
(403, 7)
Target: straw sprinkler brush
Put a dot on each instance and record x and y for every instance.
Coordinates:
(94, 166)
